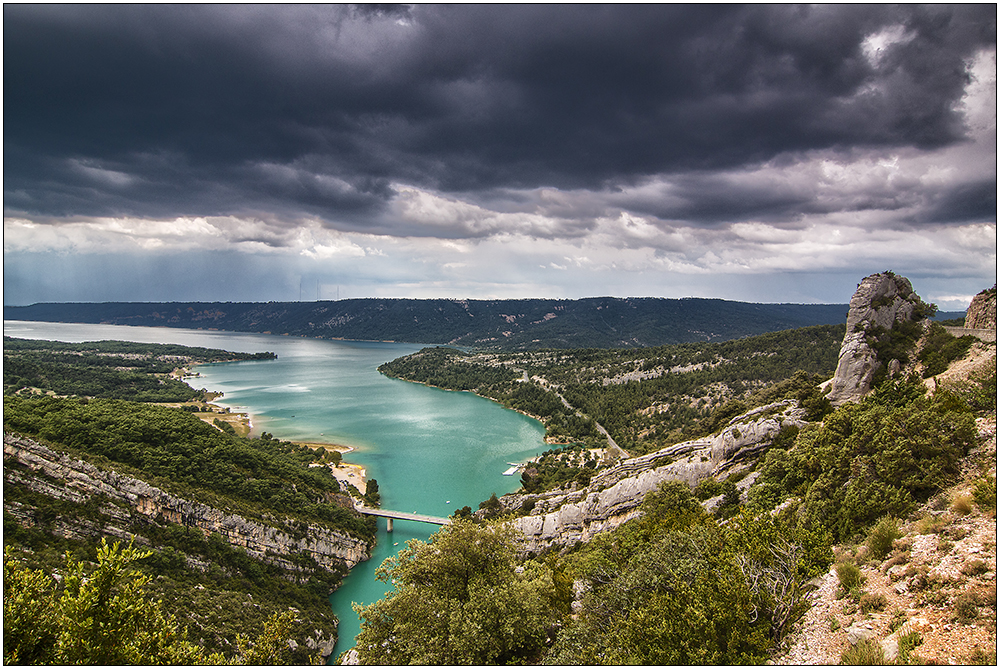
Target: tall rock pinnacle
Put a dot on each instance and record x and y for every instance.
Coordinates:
(881, 301)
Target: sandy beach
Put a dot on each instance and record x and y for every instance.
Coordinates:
(345, 473)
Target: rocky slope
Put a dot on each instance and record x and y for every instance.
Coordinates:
(561, 518)
(936, 588)
(129, 500)
(881, 301)
(939, 581)
(982, 312)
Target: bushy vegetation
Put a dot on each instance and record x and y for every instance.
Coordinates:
(881, 536)
(558, 466)
(864, 653)
(985, 493)
(107, 369)
(178, 452)
(105, 616)
(217, 590)
(674, 587)
(883, 455)
(850, 579)
(645, 398)
(941, 348)
(670, 587)
(462, 598)
(979, 391)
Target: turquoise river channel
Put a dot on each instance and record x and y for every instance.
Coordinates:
(432, 451)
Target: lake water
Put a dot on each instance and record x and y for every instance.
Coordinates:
(432, 451)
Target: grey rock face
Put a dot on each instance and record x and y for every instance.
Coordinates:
(856, 634)
(982, 312)
(68, 478)
(561, 518)
(881, 300)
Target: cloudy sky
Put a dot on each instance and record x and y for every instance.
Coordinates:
(765, 153)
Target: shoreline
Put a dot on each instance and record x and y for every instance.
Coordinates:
(354, 475)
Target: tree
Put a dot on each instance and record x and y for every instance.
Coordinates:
(679, 600)
(461, 598)
(104, 618)
(372, 496)
(100, 619)
(492, 507)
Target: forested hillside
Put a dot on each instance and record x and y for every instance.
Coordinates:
(496, 324)
(226, 521)
(108, 369)
(645, 398)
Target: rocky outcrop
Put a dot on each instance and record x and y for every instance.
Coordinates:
(129, 500)
(881, 301)
(982, 312)
(559, 518)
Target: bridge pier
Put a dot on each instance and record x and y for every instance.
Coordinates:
(388, 524)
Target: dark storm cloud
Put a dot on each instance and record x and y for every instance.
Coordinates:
(315, 110)
(966, 202)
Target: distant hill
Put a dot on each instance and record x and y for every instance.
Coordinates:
(506, 324)
(600, 322)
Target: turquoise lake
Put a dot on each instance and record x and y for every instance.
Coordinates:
(432, 451)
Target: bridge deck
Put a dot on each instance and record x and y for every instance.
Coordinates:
(400, 515)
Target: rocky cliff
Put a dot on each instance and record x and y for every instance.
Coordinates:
(982, 313)
(560, 518)
(129, 500)
(881, 301)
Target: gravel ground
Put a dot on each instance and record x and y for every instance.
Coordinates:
(921, 581)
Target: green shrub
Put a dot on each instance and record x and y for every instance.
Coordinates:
(985, 493)
(105, 616)
(462, 597)
(882, 456)
(931, 524)
(982, 657)
(707, 488)
(907, 643)
(966, 607)
(849, 576)
(870, 602)
(975, 568)
(865, 653)
(881, 536)
(940, 348)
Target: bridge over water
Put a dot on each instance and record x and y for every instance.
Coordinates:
(400, 515)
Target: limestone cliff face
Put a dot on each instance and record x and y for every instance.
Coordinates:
(982, 312)
(881, 300)
(561, 518)
(60, 476)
